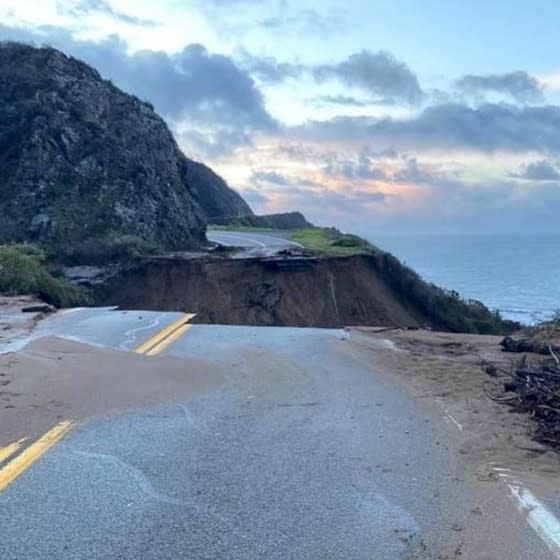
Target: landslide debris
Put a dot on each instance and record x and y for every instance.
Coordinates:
(531, 384)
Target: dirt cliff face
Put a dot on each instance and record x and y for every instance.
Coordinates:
(306, 290)
(306, 293)
(80, 159)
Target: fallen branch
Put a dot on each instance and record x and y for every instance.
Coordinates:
(533, 387)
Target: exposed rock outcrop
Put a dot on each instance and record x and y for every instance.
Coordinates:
(80, 159)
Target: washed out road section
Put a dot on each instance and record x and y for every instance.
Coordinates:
(295, 447)
(54, 378)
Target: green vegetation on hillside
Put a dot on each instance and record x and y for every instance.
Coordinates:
(445, 309)
(332, 242)
(23, 271)
(111, 248)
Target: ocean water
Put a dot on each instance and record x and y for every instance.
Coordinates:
(519, 275)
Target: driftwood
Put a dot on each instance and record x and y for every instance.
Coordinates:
(531, 386)
(527, 344)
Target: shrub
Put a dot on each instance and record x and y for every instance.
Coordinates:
(348, 240)
(444, 308)
(23, 271)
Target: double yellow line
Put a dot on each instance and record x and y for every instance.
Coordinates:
(166, 337)
(16, 458)
(29, 455)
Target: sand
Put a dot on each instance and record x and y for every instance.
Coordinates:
(15, 326)
(444, 370)
(52, 378)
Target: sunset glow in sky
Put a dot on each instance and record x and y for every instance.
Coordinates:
(368, 115)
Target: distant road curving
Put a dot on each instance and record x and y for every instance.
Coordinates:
(252, 240)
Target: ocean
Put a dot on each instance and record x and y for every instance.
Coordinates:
(519, 275)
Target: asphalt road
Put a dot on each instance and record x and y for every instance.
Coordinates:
(250, 240)
(307, 451)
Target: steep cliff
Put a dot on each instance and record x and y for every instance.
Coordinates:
(80, 159)
(217, 200)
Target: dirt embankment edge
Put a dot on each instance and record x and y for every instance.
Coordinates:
(299, 291)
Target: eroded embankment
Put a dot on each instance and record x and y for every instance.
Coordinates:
(306, 291)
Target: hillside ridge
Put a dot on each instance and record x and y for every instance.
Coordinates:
(81, 159)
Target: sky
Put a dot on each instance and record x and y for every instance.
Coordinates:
(375, 117)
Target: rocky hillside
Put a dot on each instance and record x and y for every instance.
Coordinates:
(214, 196)
(80, 159)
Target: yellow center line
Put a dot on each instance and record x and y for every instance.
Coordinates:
(169, 340)
(148, 346)
(20, 463)
(9, 450)
(36, 450)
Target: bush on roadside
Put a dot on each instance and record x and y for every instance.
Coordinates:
(23, 271)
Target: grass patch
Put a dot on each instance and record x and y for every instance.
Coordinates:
(332, 242)
(23, 271)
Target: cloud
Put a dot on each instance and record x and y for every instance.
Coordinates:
(269, 69)
(82, 8)
(539, 171)
(254, 197)
(487, 128)
(360, 169)
(270, 177)
(309, 20)
(520, 86)
(379, 74)
(344, 100)
(350, 101)
(412, 173)
(210, 100)
(324, 206)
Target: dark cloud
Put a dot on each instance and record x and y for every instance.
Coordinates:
(539, 171)
(379, 74)
(84, 7)
(487, 128)
(218, 102)
(521, 86)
